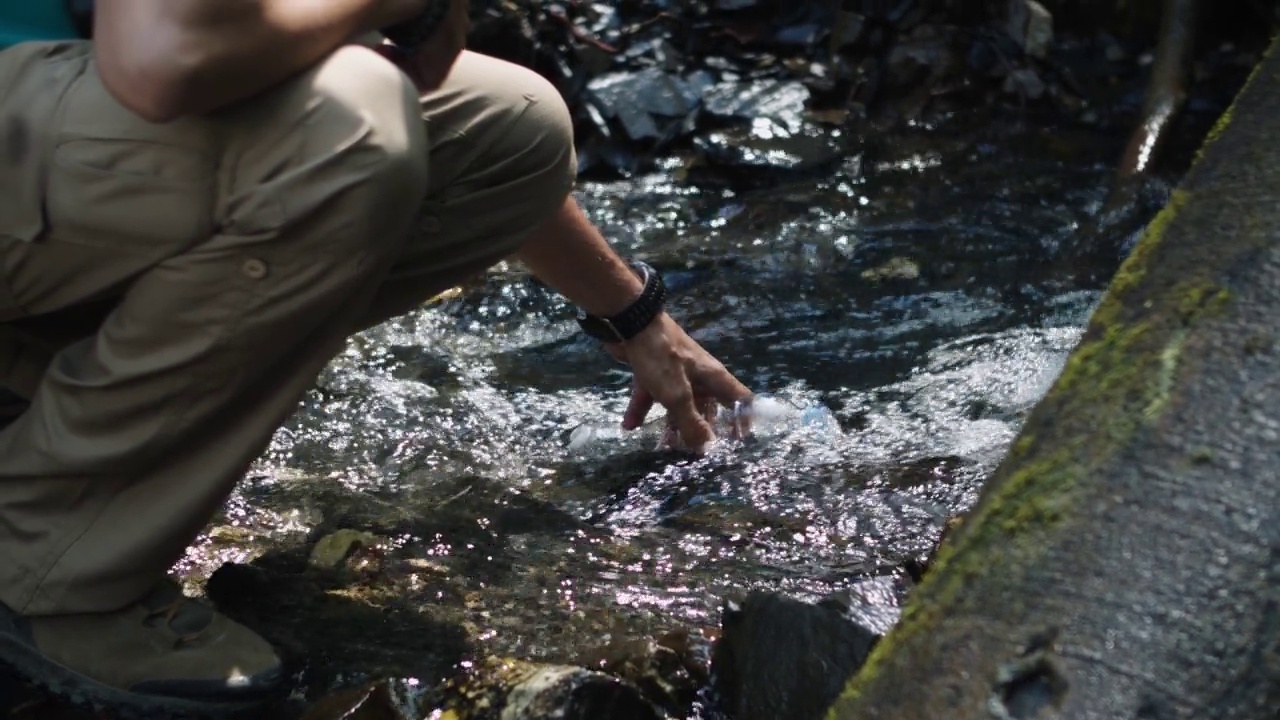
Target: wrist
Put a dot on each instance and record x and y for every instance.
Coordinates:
(638, 314)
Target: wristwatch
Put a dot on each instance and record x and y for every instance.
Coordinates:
(633, 320)
(415, 32)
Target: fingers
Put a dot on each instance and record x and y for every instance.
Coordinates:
(719, 383)
(683, 412)
(638, 409)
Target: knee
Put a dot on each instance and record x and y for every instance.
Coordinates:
(544, 126)
(529, 128)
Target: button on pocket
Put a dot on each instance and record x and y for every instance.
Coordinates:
(254, 269)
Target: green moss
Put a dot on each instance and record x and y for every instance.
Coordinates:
(1134, 268)
(1037, 496)
(1200, 299)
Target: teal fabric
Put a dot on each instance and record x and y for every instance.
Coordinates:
(22, 20)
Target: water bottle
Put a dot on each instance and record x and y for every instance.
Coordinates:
(760, 416)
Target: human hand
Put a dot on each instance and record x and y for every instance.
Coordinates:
(673, 370)
(429, 65)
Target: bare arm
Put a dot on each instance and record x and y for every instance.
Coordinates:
(167, 58)
(570, 255)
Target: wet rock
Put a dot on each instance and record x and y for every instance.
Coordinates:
(782, 101)
(669, 670)
(333, 549)
(783, 658)
(501, 689)
(848, 29)
(766, 146)
(375, 701)
(648, 105)
(898, 268)
(1030, 25)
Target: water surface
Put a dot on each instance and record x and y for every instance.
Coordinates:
(447, 431)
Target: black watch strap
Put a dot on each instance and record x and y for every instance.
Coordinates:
(636, 317)
(415, 32)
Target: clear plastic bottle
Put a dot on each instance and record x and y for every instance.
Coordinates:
(761, 416)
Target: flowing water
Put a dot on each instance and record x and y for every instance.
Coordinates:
(915, 301)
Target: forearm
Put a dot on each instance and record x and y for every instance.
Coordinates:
(571, 256)
(169, 58)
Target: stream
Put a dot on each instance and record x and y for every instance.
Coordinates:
(911, 306)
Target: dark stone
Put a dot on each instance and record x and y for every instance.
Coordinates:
(500, 689)
(783, 658)
(643, 103)
(778, 100)
(669, 670)
(375, 701)
(770, 146)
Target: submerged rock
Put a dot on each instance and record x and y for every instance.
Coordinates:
(768, 146)
(375, 701)
(669, 670)
(898, 268)
(331, 550)
(784, 658)
(502, 689)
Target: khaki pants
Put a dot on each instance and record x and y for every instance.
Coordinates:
(169, 292)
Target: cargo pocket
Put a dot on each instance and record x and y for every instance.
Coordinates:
(130, 195)
(117, 181)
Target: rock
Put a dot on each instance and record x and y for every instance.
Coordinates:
(502, 689)
(334, 548)
(1025, 83)
(1030, 25)
(848, 29)
(669, 670)
(782, 658)
(375, 701)
(644, 103)
(898, 268)
(783, 101)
